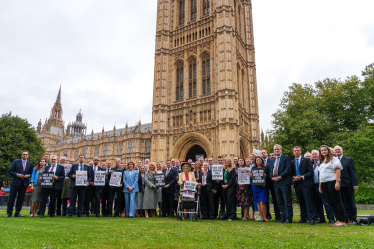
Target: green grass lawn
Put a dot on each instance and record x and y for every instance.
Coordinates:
(61, 232)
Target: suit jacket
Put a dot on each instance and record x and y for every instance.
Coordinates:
(284, 170)
(140, 182)
(115, 169)
(209, 181)
(230, 178)
(130, 181)
(73, 171)
(93, 176)
(348, 176)
(198, 176)
(170, 180)
(306, 170)
(60, 173)
(17, 168)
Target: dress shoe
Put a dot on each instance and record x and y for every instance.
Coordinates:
(287, 222)
(8, 216)
(278, 221)
(311, 222)
(331, 222)
(41, 216)
(301, 221)
(69, 216)
(18, 215)
(52, 216)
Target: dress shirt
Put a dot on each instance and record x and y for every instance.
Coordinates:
(316, 173)
(327, 170)
(275, 163)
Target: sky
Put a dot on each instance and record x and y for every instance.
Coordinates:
(102, 54)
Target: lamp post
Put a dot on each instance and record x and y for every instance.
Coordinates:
(255, 142)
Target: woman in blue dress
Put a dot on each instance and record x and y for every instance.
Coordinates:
(261, 193)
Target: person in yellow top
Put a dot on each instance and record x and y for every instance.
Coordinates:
(186, 175)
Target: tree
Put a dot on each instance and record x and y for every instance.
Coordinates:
(331, 112)
(16, 135)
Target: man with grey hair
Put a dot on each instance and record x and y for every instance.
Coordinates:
(348, 184)
(58, 175)
(309, 156)
(280, 172)
(318, 197)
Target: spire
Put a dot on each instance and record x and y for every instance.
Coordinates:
(127, 126)
(140, 125)
(39, 129)
(114, 130)
(92, 134)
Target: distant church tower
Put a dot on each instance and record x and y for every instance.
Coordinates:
(205, 89)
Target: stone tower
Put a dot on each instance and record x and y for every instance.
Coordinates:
(205, 90)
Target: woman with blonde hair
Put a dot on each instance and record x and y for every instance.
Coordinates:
(36, 188)
(198, 172)
(159, 189)
(329, 183)
(150, 193)
(229, 189)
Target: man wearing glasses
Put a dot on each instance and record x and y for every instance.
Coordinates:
(20, 170)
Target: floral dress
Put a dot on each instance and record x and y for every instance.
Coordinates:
(244, 196)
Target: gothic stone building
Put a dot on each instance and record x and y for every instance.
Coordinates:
(205, 90)
(204, 94)
(129, 143)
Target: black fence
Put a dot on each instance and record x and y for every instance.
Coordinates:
(26, 201)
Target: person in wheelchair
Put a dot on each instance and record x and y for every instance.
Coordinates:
(186, 175)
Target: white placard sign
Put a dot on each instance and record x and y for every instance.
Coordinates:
(81, 178)
(67, 168)
(217, 172)
(189, 189)
(257, 152)
(99, 178)
(115, 179)
(243, 177)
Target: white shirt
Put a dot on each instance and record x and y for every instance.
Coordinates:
(327, 170)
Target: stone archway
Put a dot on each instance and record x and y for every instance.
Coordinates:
(187, 142)
(195, 153)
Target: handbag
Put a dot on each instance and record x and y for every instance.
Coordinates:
(365, 221)
(123, 215)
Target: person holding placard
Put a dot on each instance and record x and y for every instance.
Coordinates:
(116, 189)
(36, 189)
(150, 192)
(106, 205)
(244, 192)
(97, 185)
(207, 190)
(130, 181)
(79, 185)
(229, 189)
(260, 192)
(59, 175)
(219, 199)
(186, 176)
(66, 191)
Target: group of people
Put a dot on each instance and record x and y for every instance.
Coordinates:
(322, 178)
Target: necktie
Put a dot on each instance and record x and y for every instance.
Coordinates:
(315, 165)
(167, 172)
(81, 166)
(276, 167)
(107, 171)
(297, 167)
(52, 167)
(24, 165)
(95, 169)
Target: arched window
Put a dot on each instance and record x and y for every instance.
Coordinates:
(193, 10)
(206, 74)
(206, 8)
(181, 12)
(179, 89)
(192, 78)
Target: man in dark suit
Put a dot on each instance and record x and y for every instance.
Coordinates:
(21, 171)
(269, 183)
(348, 184)
(59, 175)
(95, 191)
(119, 190)
(207, 189)
(168, 190)
(105, 192)
(79, 191)
(280, 172)
(302, 171)
(178, 169)
(219, 200)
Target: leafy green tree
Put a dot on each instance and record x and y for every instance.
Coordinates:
(16, 135)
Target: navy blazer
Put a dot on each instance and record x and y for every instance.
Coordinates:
(284, 170)
(170, 180)
(74, 169)
(60, 173)
(348, 176)
(17, 168)
(306, 170)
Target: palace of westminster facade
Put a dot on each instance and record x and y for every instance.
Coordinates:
(204, 92)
